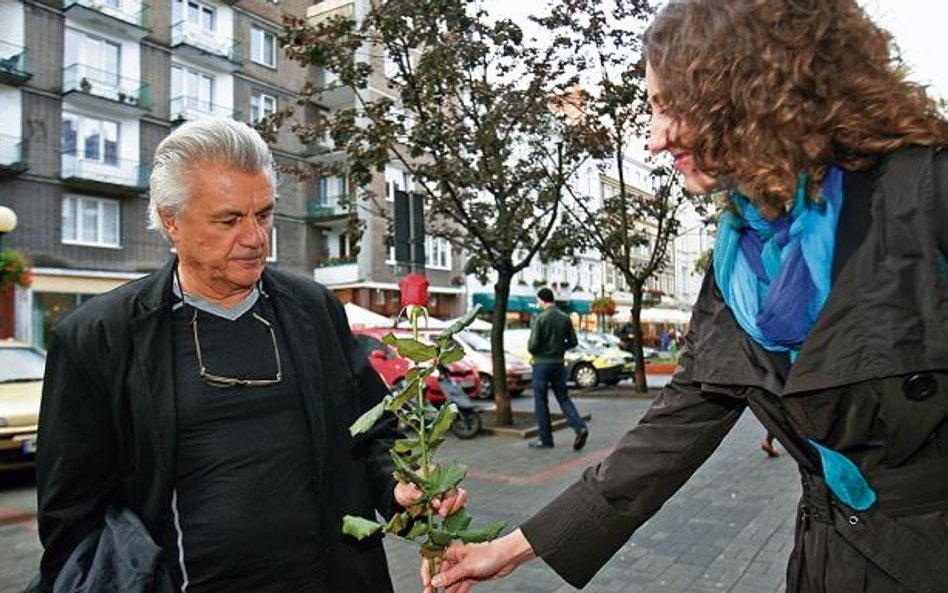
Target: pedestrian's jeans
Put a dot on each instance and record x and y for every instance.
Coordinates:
(546, 375)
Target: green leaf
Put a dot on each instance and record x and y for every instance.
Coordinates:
(410, 348)
(444, 478)
(398, 522)
(406, 472)
(367, 420)
(481, 535)
(418, 529)
(401, 398)
(464, 321)
(440, 539)
(402, 446)
(459, 521)
(359, 527)
(451, 355)
(442, 422)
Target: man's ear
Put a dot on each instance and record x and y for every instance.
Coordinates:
(169, 222)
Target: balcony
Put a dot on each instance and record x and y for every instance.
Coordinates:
(14, 64)
(205, 46)
(106, 175)
(335, 271)
(184, 107)
(130, 18)
(12, 162)
(327, 207)
(90, 86)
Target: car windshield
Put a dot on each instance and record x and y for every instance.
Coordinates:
(475, 341)
(21, 364)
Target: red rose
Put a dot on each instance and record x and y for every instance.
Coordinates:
(414, 289)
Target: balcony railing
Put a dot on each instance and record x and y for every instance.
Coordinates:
(11, 156)
(187, 107)
(107, 85)
(79, 165)
(134, 12)
(325, 207)
(334, 275)
(187, 33)
(14, 63)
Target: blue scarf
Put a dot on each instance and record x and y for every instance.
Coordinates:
(775, 275)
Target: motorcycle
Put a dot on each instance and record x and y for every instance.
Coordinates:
(467, 423)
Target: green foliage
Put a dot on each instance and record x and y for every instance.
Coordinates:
(14, 270)
(413, 456)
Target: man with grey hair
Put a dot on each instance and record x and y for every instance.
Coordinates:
(210, 402)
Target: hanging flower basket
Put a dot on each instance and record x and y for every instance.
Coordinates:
(603, 306)
(14, 270)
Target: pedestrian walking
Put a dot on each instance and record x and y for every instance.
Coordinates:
(551, 335)
(825, 311)
(193, 430)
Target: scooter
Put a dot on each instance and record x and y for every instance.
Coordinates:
(467, 423)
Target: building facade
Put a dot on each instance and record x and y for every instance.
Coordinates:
(368, 276)
(88, 89)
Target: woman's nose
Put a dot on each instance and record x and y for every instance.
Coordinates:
(658, 134)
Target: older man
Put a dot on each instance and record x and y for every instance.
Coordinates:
(212, 399)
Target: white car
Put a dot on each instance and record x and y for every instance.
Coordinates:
(21, 387)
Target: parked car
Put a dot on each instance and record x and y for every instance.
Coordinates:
(599, 343)
(613, 341)
(477, 352)
(392, 367)
(21, 386)
(584, 366)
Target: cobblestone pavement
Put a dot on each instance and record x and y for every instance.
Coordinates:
(729, 529)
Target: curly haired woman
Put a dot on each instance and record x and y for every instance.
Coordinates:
(825, 312)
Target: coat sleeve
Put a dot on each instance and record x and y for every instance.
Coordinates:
(600, 512)
(941, 200)
(571, 341)
(76, 474)
(378, 441)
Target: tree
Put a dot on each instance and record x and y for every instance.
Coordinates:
(606, 54)
(466, 110)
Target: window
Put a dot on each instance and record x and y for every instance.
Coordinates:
(91, 221)
(263, 47)
(193, 87)
(437, 253)
(194, 13)
(90, 138)
(396, 179)
(98, 59)
(273, 244)
(261, 106)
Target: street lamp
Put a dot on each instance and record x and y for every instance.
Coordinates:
(7, 222)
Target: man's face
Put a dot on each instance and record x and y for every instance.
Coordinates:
(223, 233)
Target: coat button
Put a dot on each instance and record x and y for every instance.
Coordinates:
(919, 387)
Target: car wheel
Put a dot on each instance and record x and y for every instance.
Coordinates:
(487, 386)
(466, 424)
(585, 375)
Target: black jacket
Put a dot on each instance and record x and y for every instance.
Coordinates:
(107, 420)
(871, 382)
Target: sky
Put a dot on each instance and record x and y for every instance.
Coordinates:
(918, 27)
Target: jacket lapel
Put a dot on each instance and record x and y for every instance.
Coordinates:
(153, 361)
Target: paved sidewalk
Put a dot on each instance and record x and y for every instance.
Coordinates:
(729, 529)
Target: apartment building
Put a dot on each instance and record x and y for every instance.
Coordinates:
(88, 88)
(369, 278)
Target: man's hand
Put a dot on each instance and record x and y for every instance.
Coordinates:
(465, 565)
(408, 495)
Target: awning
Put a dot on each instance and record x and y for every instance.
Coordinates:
(515, 304)
(656, 315)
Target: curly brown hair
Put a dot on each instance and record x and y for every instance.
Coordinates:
(767, 89)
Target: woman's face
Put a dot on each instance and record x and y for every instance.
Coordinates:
(664, 137)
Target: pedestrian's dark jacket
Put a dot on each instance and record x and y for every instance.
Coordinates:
(871, 382)
(551, 335)
(107, 421)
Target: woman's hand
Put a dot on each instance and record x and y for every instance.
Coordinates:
(465, 565)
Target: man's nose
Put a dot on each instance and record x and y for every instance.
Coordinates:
(253, 232)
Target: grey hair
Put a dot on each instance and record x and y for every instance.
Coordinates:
(216, 140)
